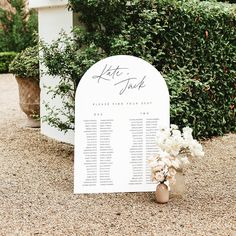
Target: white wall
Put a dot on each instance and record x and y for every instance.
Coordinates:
(46, 3)
(53, 16)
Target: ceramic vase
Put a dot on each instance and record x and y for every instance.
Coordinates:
(162, 193)
(179, 187)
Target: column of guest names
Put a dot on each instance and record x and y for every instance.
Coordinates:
(90, 152)
(106, 151)
(136, 151)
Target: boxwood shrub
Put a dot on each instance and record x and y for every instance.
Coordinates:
(5, 60)
(192, 43)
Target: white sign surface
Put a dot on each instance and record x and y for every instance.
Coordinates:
(120, 103)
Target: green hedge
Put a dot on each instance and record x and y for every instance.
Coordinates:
(5, 60)
(228, 1)
(191, 43)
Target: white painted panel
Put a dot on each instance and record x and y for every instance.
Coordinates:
(46, 3)
(52, 20)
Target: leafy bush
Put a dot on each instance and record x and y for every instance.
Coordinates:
(69, 58)
(26, 63)
(18, 27)
(5, 60)
(208, 106)
(228, 1)
(191, 43)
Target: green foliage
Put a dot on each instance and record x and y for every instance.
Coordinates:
(18, 27)
(5, 60)
(227, 1)
(191, 43)
(208, 106)
(26, 63)
(68, 57)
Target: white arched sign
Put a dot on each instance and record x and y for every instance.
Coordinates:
(120, 103)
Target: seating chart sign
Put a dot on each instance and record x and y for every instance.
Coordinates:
(121, 101)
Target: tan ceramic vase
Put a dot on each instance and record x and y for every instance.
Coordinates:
(162, 193)
(29, 99)
(178, 188)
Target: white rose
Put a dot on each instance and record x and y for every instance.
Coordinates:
(167, 161)
(159, 177)
(160, 166)
(163, 154)
(152, 162)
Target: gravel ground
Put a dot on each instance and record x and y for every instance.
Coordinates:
(36, 189)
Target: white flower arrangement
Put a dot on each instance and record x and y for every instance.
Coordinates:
(175, 149)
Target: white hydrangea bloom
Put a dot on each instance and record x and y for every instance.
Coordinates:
(187, 131)
(174, 127)
(196, 149)
(187, 134)
(176, 134)
(174, 151)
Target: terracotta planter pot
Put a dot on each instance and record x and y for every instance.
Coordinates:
(29, 99)
(162, 193)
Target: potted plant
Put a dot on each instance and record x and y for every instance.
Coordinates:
(25, 67)
(175, 150)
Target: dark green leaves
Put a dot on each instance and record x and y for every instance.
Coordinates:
(192, 43)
